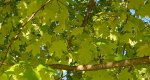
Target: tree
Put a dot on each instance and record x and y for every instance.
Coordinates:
(74, 39)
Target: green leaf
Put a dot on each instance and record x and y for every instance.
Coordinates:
(3, 77)
(144, 11)
(99, 75)
(119, 57)
(108, 48)
(125, 75)
(138, 4)
(32, 7)
(22, 8)
(128, 26)
(45, 38)
(16, 44)
(77, 31)
(2, 39)
(86, 52)
(84, 56)
(45, 72)
(143, 50)
(30, 74)
(101, 29)
(35, 48)
(71, 2)
(59, 29)
(6, 28)
(125, 37)
(58, 47)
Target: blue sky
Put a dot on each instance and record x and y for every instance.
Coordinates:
(145, 19)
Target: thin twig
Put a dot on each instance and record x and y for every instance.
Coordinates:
(88, 13)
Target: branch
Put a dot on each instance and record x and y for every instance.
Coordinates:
(88, 13)
(17, 34)
(34, 13)
(117, 64)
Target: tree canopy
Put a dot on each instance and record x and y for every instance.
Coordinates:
(74, 40)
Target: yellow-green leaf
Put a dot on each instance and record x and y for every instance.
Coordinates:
(144, 50)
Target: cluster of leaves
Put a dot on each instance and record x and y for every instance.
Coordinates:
(115, 30)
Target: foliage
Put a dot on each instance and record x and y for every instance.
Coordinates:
(72, 32)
